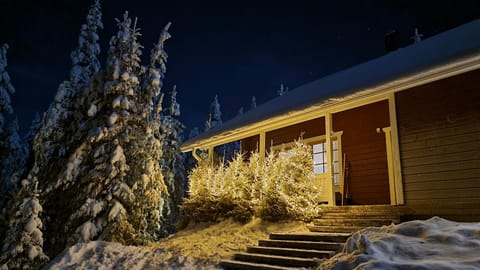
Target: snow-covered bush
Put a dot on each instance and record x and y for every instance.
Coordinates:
(278, 188)
(289, 191)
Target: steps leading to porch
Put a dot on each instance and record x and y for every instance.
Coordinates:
(288, 251)
(353, 218)
(327, 236)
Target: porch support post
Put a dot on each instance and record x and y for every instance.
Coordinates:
(328, 143)
(397, 171)
(262, 146)
(391, 176)
(210, 154)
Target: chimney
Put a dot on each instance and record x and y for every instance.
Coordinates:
(392, 39)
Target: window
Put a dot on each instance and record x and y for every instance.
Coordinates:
(320, 158)
(320, 164)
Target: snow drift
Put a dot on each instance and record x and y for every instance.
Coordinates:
(436, 244)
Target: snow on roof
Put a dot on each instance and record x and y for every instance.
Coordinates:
(444, 49)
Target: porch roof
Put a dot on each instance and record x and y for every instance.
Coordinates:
(446, 54)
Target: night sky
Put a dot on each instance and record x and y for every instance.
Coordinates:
(235, 49)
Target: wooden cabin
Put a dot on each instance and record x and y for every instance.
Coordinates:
(402, 129)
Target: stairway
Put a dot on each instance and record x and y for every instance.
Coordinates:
(349, 219)
(327, 235)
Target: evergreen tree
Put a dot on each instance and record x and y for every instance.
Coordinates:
(10, 148)
(114, 197)
(172, 161)
(51, 141)
(109, 190)
(23, 245)
(6, 88)
(13, 163)
(32, 131)
(417, 37)
(6, 168)
(214, 115)
(85, 56)
(240, 111)
(54, 147)
(253, 103)
(283, 90)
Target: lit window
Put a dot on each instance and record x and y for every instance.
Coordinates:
(320, 160)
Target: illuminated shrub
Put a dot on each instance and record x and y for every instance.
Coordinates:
(281, 187)
(289, 191)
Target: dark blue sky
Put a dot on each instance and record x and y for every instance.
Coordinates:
(235, 49)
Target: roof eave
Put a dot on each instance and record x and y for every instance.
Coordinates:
(442, 71)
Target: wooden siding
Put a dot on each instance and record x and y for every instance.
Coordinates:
(307, 129)
(439, 136)
(250, 144)
(365, 151)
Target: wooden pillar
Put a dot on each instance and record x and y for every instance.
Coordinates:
(391, 174)
(210, 154)
(328, 143)
(262, 146)
(397, 170)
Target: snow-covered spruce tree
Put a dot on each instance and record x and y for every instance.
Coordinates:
(155, 203)
(101, 208)
(85, 56)
(9, 140)
(417, 37)
(54, 137)
(29, 137)
(283, 90)
(225, 152)
(172, 161)
(115, 172)
(62, 131)
(13, 163)
(6, 90)
(214, 119)
(23, 245)
(253, 103)
(214, 115)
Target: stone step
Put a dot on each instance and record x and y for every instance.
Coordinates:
(312, 236)
(342, 229)
(290, 252)
(369, 215)
(240, 265)
(327, 246)
(365, 222)
(366, 208)
(275, 260)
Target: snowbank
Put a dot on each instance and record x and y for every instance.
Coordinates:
(436, 244)
(199, 246)
(107, 255)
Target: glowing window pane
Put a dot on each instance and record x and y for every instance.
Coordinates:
(317, 148)
(319, 169)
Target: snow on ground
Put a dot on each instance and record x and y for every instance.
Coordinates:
(436, 244)
(198, 246)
